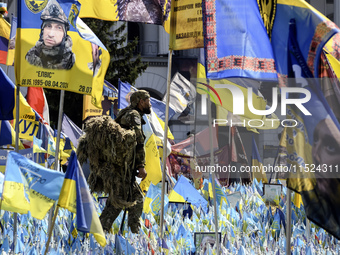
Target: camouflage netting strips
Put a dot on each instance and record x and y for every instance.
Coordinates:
(110, 149)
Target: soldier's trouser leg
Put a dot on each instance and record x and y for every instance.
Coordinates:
(108, 216)
(136, 211)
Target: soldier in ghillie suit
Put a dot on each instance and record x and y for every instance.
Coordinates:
(116, 152)
(53, 50)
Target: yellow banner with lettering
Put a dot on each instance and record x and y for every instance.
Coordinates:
(186, 30)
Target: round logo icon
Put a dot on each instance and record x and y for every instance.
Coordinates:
(36, 6)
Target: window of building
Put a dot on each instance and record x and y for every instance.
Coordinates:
(133, 32)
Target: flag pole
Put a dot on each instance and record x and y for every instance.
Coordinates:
(56, 162)
(17, 104)
(51, 228)
(60, 116)
(288, 221)
(166, 121)
(229, 149)
(212, 162)
(307, 229)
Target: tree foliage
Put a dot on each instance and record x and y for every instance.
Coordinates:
(124, 65)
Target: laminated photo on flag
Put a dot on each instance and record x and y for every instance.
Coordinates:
(57, 50)
(151, 12)
(109, 102)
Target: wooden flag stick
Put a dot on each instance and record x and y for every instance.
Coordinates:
(51, 229)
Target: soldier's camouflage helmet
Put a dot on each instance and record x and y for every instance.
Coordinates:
(137, 96)
(53, 12)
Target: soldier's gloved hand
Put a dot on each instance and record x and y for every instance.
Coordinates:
(141, 173)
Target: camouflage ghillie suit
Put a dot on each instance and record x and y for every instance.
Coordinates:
(115, 151)
(56, 57)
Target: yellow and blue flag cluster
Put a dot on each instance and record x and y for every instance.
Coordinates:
(29, 187)
(75, 196)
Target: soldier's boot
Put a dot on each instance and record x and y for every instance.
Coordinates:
(134, 222)
(108, 216)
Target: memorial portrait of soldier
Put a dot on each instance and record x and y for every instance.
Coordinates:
(53, 50)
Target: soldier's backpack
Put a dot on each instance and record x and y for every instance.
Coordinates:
(110, 150)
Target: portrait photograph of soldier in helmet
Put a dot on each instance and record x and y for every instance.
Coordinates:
(53, 50)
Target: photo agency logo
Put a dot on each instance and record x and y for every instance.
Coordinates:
(301, 96)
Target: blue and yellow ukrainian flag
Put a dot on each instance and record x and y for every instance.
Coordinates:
(276, 225)
(313, 31)
(152, 158)
(8, 98)
(80, 78)
(5, 29)
(7, 134)
(256, 163)
(306, 142)
(184, 192)
(125, 90)
(152, 201)
(220, 195)
(37, 145)
(76, 197)
(29, 186)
